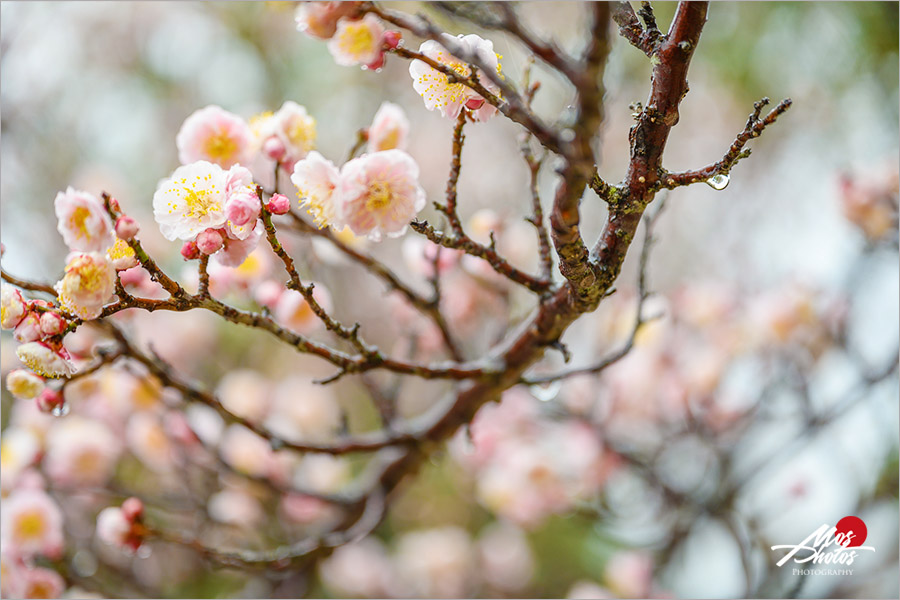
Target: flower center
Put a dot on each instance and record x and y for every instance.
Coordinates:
(302, 133)
(220, 146)
(78, 220)
(91, 276)
(29, 526)
(120, 249)
(380, 196)
(357, 39)
(199, 203)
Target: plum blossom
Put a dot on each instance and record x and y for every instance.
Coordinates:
(318, 184)
(278, 204)
(358, 42)
(87, 285)
(44, 360)
(245, 451)
(12, 306)
(236, 251)
(126, 228)
(23, 384)
(122, 256)
(437, 563)
(450, 98)
(295, 313)
(52, 323)
(389, 129)
(235, 507)
(362, 569)
(83, 221)
(296, 130)
(119, 526)
(147, 439)
(31, 524)
(81, 451)
(19, 449)
(380, 194)
(191, 200)
(215, 135)
(246, 394)
(39, 582)
(320, 19)
(28, 329)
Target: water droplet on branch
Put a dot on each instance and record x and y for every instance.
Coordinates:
(718, 182)
(60, 410)
(545, 392)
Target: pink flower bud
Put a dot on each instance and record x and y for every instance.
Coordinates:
(190, 251)
(274, 148)
(52, 323)
(474, 103)
(49, 399)
(392, 39)
(132, 509)
(242, 208)
(126, 228)
(28, 329)
(114, 205)
(278, 204)
(209, 241)
(377, 63)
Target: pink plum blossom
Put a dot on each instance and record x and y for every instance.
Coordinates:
(44, 360)
(147, 439)
(39, 582)
(31, 524)
(380, 194)
(210, 241)
(83, 221)
(278, 204)
(24, 384)
(318, 184)
(450, 98)
(236, 251)
(437, 563)
(126, 228)
(52, 323)
(302, 410)
(120, 527)
(358, 42)
(122, 256)
(389, 129)
(50, 400)
(246, 452)
(87, 285)
(246, 394)
(12, 306)
(320, 19)
(215, 135)
(361, 569)
(80, 452)
(29, 329)
(19, 449)
(235, 507)
(297, 131)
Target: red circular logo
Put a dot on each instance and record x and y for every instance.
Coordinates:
(853, 525)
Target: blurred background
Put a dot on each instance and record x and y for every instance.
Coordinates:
(762, 404)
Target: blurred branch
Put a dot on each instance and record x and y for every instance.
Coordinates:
(32, 286)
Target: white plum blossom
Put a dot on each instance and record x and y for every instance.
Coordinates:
(357, 42)
(191, 200)
(440, 93)
(215, 135)
(24, 384)
(44, 360)
(12, 306)
(380, 194)
(302, 410)
(19, 449)
(389, 129)
(89, 282)
(83, 221)
(31, 524)
(113, 527)
(437, 563)
(245, 393)
(318, 184)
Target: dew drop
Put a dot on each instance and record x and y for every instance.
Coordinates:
(567, 135)
(545, 392)
(60, 410)
(718, 182)
(144, 551)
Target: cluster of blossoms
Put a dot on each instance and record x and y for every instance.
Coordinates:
(359, 38)
(98, 249)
